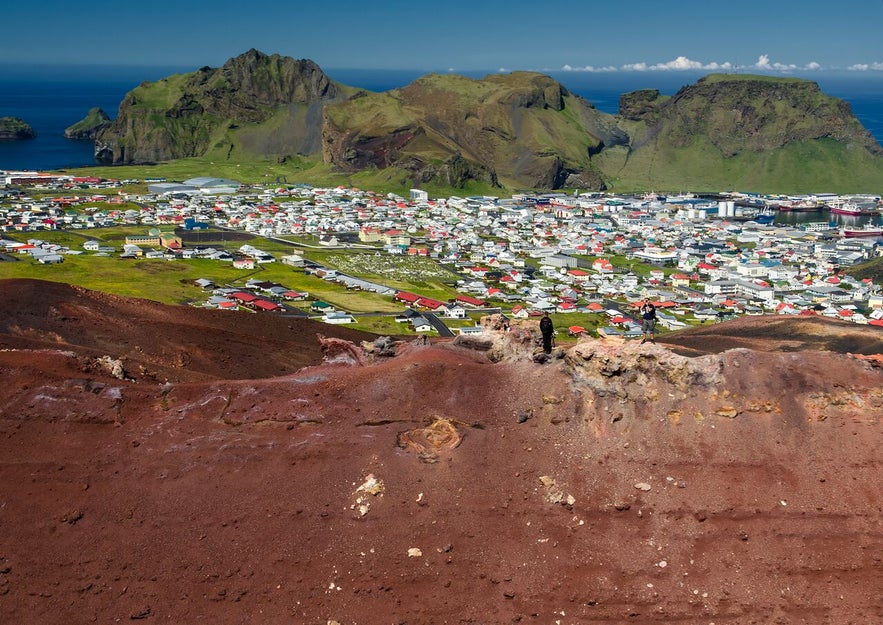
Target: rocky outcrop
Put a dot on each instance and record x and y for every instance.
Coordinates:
(641, 105)
(95, 121)
(223, 109)
(15, 129)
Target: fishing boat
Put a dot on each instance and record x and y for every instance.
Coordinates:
(801, 206)
(865, 231)
(765, 216)
(851, 208)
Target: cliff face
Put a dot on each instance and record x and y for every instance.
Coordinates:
(15, 129)
(747, 114)
(521, 129)
(186, 115)
(95, 121)
(725, 131)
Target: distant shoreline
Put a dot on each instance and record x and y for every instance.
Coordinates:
(73, 89)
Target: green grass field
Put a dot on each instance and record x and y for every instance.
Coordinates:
(173, 281)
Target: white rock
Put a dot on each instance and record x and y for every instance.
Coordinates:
(414, 552)
(642, 486)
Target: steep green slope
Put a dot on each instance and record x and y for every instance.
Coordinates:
(255, 106)
(520, 130)
(735, 131)
(513, 131)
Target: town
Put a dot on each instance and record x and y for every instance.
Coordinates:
(699, 259)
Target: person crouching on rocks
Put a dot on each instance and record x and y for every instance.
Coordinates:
(648, 321)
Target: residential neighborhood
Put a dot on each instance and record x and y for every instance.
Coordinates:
(699, 259)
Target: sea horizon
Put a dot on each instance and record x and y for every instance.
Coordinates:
(52, 97)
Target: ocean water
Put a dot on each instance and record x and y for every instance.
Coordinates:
(51, 98)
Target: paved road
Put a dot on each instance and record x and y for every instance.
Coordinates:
(438, 324)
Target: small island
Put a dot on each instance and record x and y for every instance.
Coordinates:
(15, 129)
(96, 119)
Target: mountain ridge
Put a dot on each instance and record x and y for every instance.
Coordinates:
(516, 130)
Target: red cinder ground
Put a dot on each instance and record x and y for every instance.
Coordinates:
(508, 492)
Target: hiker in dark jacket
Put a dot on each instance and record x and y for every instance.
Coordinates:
(648, 321)
(547, 330)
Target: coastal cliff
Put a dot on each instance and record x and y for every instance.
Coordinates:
(727, 130)
(255, 104)
(15, 129)
(95, 121)
(521, 130)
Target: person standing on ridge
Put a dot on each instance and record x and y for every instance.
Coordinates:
(547, 330)
(648, 321)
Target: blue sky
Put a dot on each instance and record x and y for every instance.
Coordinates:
(599, 36)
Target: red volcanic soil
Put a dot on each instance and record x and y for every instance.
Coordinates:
(157, 341)
(615, 483)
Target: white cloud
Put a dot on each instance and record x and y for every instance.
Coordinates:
(588, 68)
(864, 67)
(763, 63)
(679, 64)
(683, 63)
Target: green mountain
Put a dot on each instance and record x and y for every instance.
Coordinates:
(516, 131)
(739, 131)
(255, 106)
(519, 130)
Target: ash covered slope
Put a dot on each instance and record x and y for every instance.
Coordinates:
(156, 341)
(616, 483)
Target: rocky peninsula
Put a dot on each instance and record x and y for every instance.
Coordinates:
(86, 129)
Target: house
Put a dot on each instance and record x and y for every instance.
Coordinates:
(471, 330)
(243, 297)
(520, 312)
(295, 296)
(471, 301)
(266, 305)
(680, 280)
(602, 265)
(338, 317)
(457, 312)
(293, 260)
(321, 307)
(409, 299)
(421, 324)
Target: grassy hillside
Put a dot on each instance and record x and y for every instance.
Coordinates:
(763, 133)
